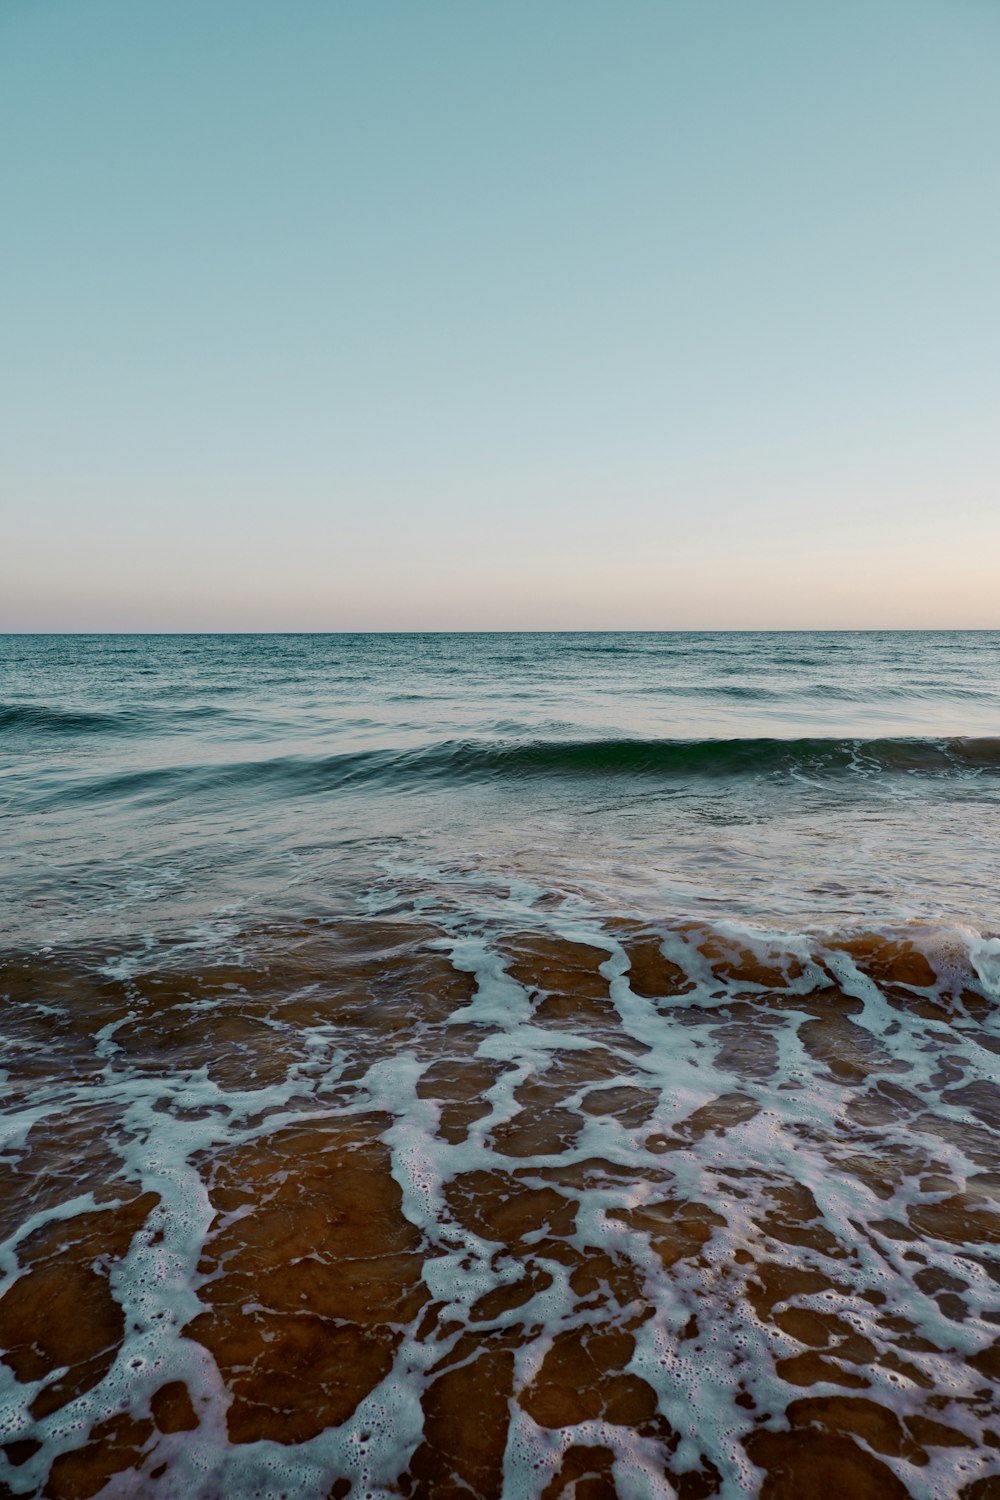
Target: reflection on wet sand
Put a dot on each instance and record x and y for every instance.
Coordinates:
(373, 1210)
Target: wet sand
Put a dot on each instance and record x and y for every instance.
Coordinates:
(371, 1209)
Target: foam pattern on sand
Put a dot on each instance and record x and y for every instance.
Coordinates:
(541, 1203)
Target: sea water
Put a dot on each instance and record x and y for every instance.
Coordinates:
(529, 1065)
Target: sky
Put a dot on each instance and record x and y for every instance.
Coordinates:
(532, 314)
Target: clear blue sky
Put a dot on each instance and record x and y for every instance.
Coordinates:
(640, 313)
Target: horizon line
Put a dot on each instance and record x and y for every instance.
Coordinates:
(529, 630)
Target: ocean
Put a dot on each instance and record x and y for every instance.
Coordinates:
(558, 1065)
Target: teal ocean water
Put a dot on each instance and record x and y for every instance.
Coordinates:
(500, 1065)
(149, 782)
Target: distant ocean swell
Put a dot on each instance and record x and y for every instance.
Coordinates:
(33, 717)
(46, 719)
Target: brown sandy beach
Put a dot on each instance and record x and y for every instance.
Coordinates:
(704, 1256)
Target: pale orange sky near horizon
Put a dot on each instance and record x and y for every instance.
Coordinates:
(650, 316)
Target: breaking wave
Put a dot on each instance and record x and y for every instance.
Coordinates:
(456, 762)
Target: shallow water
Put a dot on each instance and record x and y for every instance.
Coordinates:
(539, 1066)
